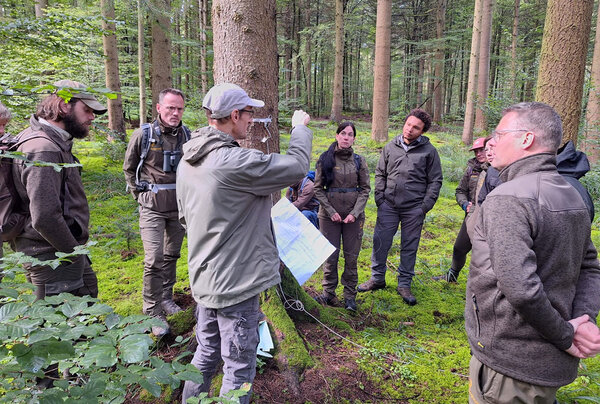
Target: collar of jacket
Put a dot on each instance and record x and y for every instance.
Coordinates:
(168, 130)
(420, 141)
(344, 154)
(527, 165)
(205, 140)
(60, 136)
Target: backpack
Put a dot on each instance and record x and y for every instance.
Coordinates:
(12, 214)
(147, 131)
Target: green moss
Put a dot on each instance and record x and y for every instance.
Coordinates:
(182, 322)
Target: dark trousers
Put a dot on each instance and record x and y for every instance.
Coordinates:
(76, 277)
(462, 246)
(350, 236)
(388, 220)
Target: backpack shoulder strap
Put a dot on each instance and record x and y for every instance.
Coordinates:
(144, 148)
(357, 162)
(186, 132)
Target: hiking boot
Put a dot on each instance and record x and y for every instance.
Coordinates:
(350, 305)
(451, 276)
(170, 307)
(371, 284)
(407, 295)
(162, 329)
(327, 300)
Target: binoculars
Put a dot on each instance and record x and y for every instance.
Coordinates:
(171, 160)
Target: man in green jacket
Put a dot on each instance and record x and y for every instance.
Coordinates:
(224, 198)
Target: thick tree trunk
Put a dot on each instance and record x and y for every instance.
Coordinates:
(591, 144)
(563, 59)
(161, 49)
(438, 86)
(141, 63)
(116, 123)
(336, 104)
(467, 135)
(381, 75)
(483, 77)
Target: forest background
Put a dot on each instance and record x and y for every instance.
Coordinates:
(446, 57)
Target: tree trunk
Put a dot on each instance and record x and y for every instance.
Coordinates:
(203, 20)
(116, 123)
(161, 49)
(40, 8)
(513, 52)
(467, 135)
(307, 56)
(141, 64)
(563, 59)
(483, 77)
(591, 144)
(438, 86)
(381, 75)
(336, 104)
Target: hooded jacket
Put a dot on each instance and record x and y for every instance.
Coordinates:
(467, 187)
(55, 200)
(224, 199)
(533, 268)
(407, 179)
(573, 165)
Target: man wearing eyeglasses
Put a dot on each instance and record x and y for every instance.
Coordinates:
(532, 291)
(150, 165)
(224, 197)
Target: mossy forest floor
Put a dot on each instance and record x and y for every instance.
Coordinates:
(390, 352)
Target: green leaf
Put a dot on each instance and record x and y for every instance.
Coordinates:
(101, 355)
(73, 333)
(152, 387)
(193, 375)
(42, 334)
(93, 330)
(112, 320)
(95, 386)
(134, 348)
(54, 396)
(72, 309)
(31, 363)
(55, 350)
(8, 291)
(98, 309)
(12, 310)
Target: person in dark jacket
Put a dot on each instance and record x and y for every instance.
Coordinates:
(572, 165)
(302, 196)
(466, 194)
(342, 187)
(57, 209)
(534, 275)
(408, 179)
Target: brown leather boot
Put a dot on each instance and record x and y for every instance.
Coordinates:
(371, 284)
(407, 295)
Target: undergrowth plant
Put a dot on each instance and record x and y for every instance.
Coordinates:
(78, 346)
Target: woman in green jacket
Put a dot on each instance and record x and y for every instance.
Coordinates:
(342, 188)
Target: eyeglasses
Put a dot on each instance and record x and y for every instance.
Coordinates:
(251, 112)
(172, 109)
(497, 134)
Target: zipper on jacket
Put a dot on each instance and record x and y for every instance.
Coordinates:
(476, 308)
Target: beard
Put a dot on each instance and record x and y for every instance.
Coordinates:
(74, 127)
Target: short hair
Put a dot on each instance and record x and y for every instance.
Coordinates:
(542, 119)
(163, 93)
(422, 115)
(220, 120)
(344, 125)
(49, 107)
(5, 114)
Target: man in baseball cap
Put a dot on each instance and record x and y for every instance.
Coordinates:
(224, 199)
(78, 91)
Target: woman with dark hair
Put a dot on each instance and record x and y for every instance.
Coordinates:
(342, 186)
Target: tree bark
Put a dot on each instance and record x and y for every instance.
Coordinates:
(483, 76)
(381, 75)
(161, 49)
(591, 143)
(116, 123)
(307, 56)
(337, 102)
(467, 135)
(513, 52)
(40, 8)
(563, 59)
(141, 62)
(203, 9)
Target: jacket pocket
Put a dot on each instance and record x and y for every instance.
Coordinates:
(476, 311)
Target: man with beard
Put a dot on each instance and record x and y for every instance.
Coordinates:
(150, 165)
(57, 213)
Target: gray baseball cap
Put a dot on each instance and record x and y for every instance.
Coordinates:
(223, 98)
(79, 92)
